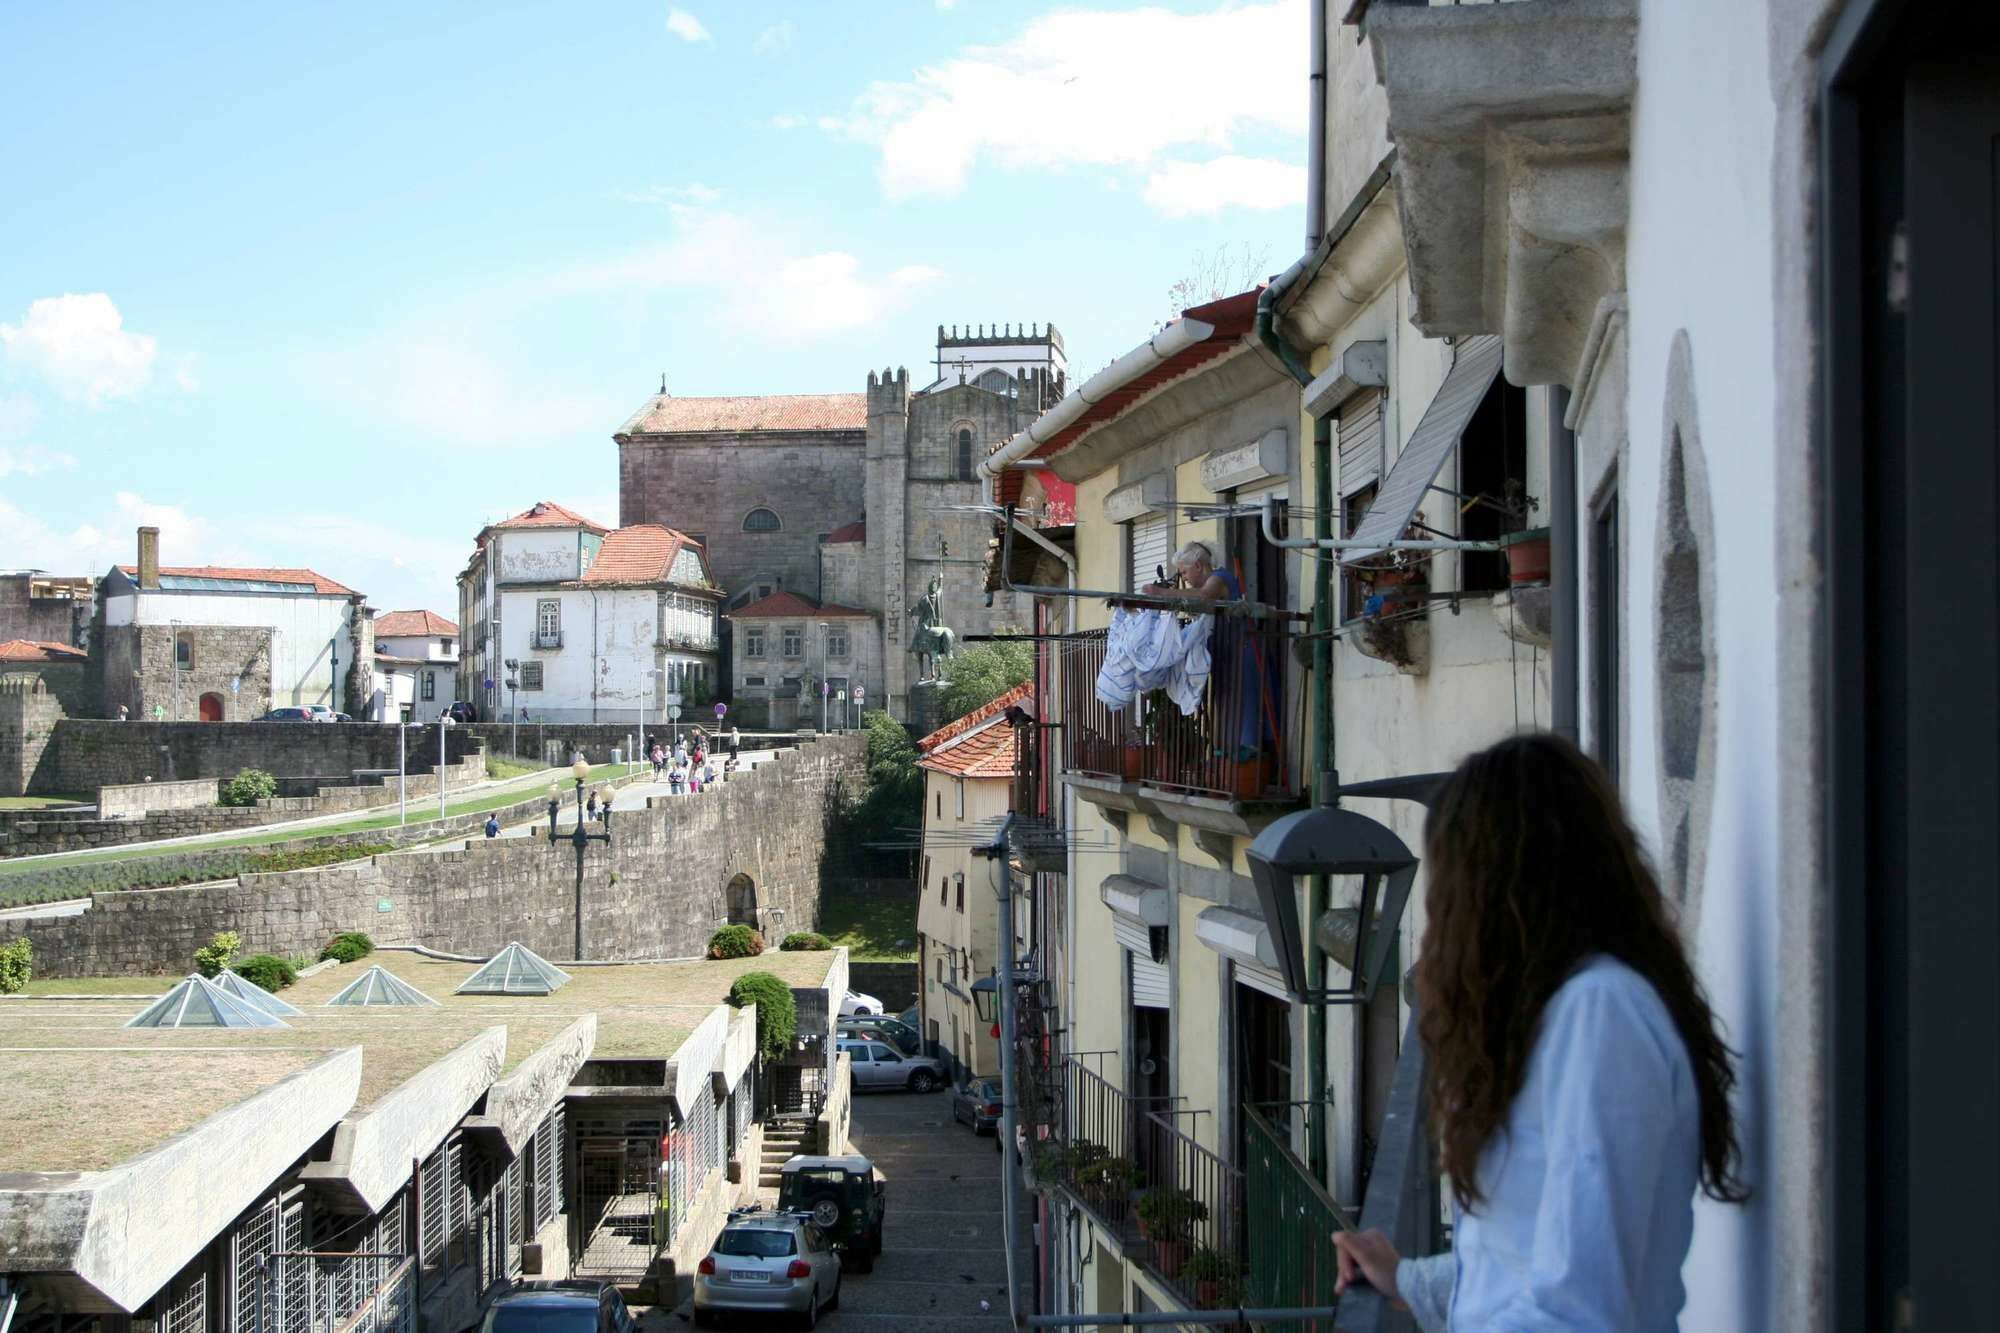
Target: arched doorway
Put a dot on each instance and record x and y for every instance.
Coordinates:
(211, 707)
(742, 901)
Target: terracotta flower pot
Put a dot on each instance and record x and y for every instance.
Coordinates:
(1134, 763)
(1527, 556)
(1170, 1256)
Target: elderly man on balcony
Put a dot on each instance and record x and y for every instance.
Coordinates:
(1200, 581)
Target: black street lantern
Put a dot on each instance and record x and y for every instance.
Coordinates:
(580, 837)
(984, 991)
(1327, 840)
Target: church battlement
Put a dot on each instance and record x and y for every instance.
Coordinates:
(888, 392)
(1002, 335)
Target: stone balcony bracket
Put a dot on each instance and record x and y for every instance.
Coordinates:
(1512, 125)
(1216, 822)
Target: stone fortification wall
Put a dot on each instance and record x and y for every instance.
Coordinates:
(83, 755)
(28, 717)
(658, 891)
(598, 739)
(132, 800)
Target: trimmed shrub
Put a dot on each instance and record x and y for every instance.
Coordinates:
(805, 941)
(17, 964)
(267, 970)
(735, 942)
(212, 957)
(347, 947)
(249, 786)
(777, 1012)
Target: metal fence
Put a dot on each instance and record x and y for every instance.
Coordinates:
(1403, 1191)
(1235, 744)
(792, 1090)
(1290, 1223)
(326, 1292)
(1191, 1214)
(1093, 1159)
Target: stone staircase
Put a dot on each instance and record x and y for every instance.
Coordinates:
(783, 1140)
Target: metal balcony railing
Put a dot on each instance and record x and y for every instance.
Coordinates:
(1236, 745)
(1402, 1195)
(1290, 1222)
(548, 639)
(1092, 1154)
(1191, 1214)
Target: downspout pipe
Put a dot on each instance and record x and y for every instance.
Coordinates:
(1012, 1207)
(1563, 538)
(1316, 128)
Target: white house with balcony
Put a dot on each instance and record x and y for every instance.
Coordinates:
(416, 666)
(574, 622)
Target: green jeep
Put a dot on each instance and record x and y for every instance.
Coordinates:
(843, 1197)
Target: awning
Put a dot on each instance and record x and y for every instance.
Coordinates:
(1465, 384)
(1144, 901)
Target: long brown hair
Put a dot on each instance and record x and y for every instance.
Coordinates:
(1531, 869)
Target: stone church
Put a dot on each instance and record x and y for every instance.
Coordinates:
(826, 517)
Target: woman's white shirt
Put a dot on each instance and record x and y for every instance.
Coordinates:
(1589, 1187)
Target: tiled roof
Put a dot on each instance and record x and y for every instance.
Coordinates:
(34, 650)
(321, 584)
(849, 532)
(412, 625)
(978, 745)
(975, 717)
(665, 414)
(789, 605)
(642, 553)
(547, 514)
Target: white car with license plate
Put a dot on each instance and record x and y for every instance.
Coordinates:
(767, 1263)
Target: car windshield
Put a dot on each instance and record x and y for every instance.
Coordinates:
(543, 1317)
(828, 1177)
(987, 1089)
(755, 1244)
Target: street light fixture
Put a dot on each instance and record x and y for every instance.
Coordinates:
(513, 683)
(580, 838)
(1327, 840)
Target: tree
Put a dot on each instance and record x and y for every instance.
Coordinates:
(982, 674)
(1214, 274)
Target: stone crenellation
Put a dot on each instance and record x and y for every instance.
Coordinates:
(658, 891)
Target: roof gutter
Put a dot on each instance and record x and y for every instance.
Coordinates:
(1163, 346)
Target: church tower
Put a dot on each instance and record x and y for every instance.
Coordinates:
(885, 490)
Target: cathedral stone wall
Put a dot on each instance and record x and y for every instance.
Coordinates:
(705, 484)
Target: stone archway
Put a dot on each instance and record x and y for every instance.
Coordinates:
(1685, 656)
(742, 899)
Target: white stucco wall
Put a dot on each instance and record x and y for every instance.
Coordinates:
(305, 630)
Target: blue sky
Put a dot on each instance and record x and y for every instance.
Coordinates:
(335, 285)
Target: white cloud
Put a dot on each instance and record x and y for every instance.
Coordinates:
(778, 37)
(110, 537)
(1185, 189)
(435, 378)
(18, 414)
(668, 196)
(789, 120)
(686, 26)
(31, 460)
(1086, 89)
(761, 278)
(79, 345)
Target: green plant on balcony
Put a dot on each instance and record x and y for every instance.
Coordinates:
(1107, 1180)
(1215, 1277)
(1167, 1218)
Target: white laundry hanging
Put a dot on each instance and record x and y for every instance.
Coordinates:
(1151, 650)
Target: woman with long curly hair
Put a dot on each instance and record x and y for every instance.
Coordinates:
(1579, 1089)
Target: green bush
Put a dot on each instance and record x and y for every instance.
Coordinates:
(17, 964)
(212, 957)
(777, 1012)
(805, 940)
(267, 970)
(347, 947)
(249, 786)
(735, 942)
(981, 674)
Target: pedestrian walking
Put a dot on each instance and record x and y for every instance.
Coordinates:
(492, 826)
(591, 808)
(123, 712)
(735, 741)
(674, 779)
(1579, 1088)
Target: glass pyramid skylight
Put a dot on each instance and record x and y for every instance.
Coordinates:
(515, 970)
(251, 993)
(379, 987)
(199, 1003)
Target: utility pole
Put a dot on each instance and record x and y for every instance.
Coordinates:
(402, 772)
(444, 721)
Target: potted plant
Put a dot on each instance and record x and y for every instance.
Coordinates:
(1107, 1180)
(1213, 1275)
(1527, 555)
(1167, 1218)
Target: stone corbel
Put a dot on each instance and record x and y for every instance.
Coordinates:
(1220, 847)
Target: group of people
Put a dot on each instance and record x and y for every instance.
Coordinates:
(690, 765)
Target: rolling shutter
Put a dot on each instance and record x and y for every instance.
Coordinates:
(1148, 979)
(1151, 540)
(1360, 426)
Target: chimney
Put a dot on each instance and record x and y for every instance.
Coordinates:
(149, 558)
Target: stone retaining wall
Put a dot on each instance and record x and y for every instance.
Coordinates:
(657, 892)
(84, 754)
(133, 800)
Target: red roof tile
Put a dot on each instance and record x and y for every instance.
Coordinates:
(642, 553)
(976, 716)
(547, 514)
(34, 650)
(668, 415)
(321, 584)
(978, 745)
(849, 532)
(412, 625)
(781, 605)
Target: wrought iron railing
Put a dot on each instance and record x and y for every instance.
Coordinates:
(548, 639)
(1235, 746)
(1191, 1215)
(1290, 1220)
(1402, 1195)
(1092, 1158)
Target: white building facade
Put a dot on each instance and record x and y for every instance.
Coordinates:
(416, 666)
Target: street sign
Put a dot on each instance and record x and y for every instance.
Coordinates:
(860, 693)
(236, 684)
(673, 712)
(673, 696)
(720, 709)
(489, 682)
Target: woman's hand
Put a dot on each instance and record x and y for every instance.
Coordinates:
(1369, 1256)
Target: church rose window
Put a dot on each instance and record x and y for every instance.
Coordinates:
(761, 520)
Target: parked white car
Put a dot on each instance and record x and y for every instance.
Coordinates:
(767, 1263)
(856, 1002)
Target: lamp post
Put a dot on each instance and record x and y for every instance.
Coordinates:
(580, 837)
(823, 687)
(513, 705)
(444, 721)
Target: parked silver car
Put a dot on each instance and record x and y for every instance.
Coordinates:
(767, 1263)
(877, 1064)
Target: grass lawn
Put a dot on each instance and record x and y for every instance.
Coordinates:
(40, 802)
(500, 768)
(878, 924)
